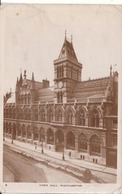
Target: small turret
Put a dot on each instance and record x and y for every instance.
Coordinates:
(17, 90)
(110, 70)
(20, 80)
(17, 85)
(32, 89)
(33, 82)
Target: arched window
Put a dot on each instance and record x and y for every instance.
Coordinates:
(81, 117)
(60, 71)
(19, 130)
(29, 132)
(35, 133)
(82, 142)
(70, 141)
(23, 131)
(42, 134)
(42, 115)
(70, 117)
(94, 118)
(36, 114)
(50, 115)
(50, 136)
(95, 145)
(58, 115)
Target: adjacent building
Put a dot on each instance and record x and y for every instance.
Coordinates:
(73, 116)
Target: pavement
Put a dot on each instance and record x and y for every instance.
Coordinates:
(75, 166)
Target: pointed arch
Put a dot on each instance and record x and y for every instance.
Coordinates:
(59, 114)
(50, 136)
(59, 136)
(23, 130)
(42, 134)
(69, 115)
(81, 116)
(29, 132)
(19, 130)
(94, 117)
(95, 145)
(82, 139)
(70, 140)
(35, 133)
(50, 114)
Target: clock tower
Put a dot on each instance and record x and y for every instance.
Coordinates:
(67, 73)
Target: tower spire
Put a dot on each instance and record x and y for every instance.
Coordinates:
(25, 74)
(20, 76)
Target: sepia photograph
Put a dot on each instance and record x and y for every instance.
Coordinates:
(60, 72)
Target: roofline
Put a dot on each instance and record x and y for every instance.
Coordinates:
(65, 59)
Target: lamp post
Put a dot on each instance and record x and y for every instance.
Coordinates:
(42, 142)
(12, 136)
(42, 146)
(63, 157)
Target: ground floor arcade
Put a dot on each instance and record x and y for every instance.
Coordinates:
(82, 143)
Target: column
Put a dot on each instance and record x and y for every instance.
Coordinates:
(21, 134)
(54, 144)
(76, 143)
(39, 137)
(88, 148)
(26, 135)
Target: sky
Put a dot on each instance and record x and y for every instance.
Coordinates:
(32, 37)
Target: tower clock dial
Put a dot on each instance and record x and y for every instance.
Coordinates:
(60, 84)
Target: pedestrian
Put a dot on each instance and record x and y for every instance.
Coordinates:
(69, 154)
(35, 147)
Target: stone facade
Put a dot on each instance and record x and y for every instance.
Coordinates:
(72, 116)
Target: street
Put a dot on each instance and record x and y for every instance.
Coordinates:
(19, 168)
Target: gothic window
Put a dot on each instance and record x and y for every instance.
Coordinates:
(60, 71)
(60, 97)
(50, 115)
(95, 145)
(59, 115)
(81, 117)
(50, 136)
(94, 118)
(82, 142)
(43, 116)
(69, 117)
(36, 114)
(70, 141)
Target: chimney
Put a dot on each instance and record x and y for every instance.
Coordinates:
(45, 83)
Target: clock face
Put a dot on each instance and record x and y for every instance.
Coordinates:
(60, 84)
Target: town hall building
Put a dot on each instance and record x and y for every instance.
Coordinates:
(73, 116)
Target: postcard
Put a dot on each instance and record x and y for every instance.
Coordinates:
(61, 96)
